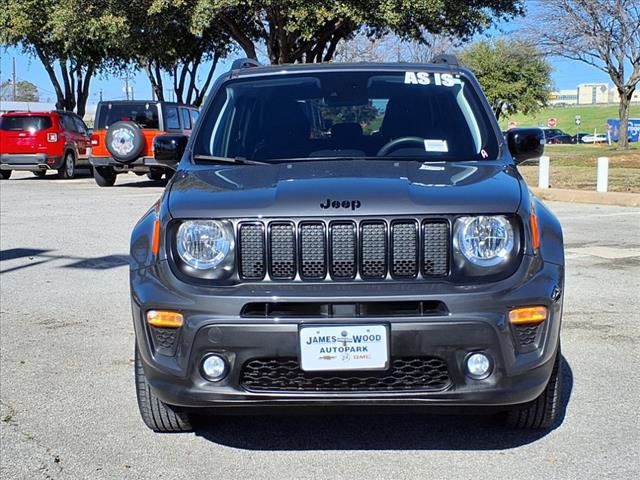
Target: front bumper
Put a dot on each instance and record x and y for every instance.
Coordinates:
(30, 162)
(476, 321)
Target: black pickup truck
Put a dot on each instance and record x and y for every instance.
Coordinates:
(343, 236)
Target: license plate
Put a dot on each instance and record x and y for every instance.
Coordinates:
(344, 347)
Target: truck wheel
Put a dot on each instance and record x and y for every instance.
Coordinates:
(40, 173)
(543, 411)
(68, 169)
(104, 176)
(5, 174)
(156, 415)
(155, 174)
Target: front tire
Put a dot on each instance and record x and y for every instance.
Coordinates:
(157, 415)
(5, 174)
(155, 174)
(104, 176)
(543, 411)
(40, 173)
(68, 169)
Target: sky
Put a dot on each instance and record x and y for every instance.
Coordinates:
(567, 74)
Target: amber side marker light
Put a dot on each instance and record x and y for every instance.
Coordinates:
(535, 231)
(164, 319)
(155, 242)
(528, 315)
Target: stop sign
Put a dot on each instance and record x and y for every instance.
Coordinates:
(552, 122)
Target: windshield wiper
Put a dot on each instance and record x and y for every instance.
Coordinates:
(236, 160)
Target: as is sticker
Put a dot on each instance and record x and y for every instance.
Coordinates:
(431, 78)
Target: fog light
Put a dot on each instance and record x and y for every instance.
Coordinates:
(214, 368)
(478, 366)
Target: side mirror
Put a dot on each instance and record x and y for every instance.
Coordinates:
(525, 143)
(168, 149)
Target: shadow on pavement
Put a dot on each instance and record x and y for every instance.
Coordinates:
(13, 253)
(134, 181)
(39, 256)
(81, 172)
(100, 263)
(375, 432)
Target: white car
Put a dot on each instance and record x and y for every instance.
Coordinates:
(599, 138)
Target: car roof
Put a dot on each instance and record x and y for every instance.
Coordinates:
(22, 113)
(138, 102)
(283, 69)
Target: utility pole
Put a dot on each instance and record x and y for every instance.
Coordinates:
(14, 79)
(100, 94)
(126, 85)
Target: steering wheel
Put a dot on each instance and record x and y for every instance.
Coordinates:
(398, 143)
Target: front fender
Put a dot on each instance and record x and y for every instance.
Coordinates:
(142, 237)
(551, 238)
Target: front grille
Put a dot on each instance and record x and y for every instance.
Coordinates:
(373, 248)
(344, 250)
(252, 261)
(285, 375)
(282, 248)
(313, 264)
(405, 249)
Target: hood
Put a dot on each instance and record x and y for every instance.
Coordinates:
(344, 188)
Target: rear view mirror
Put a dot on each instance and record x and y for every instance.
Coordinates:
(525, 143)
(168, 149)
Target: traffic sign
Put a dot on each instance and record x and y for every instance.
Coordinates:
(577, 119)
(552, 122)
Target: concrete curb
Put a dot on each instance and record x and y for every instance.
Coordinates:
(584, 196)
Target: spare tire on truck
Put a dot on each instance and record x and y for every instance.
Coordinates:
(124, 141)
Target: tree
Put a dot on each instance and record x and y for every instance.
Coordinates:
(602, 33)
(391, 48)
(310, 30)
(72, 39)
(161, 40)
(25, 91)
(514, 75)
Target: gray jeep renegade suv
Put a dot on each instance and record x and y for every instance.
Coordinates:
(348, 235)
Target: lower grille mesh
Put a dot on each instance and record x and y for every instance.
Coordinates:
(405, 373)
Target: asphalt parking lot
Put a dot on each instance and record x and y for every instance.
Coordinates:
(68, 407)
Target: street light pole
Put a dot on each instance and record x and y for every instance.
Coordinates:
(14, 79)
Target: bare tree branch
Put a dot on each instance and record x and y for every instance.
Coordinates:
(604, 34)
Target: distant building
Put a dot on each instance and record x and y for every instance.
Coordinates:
(589, 94)
(614, 96)
(593, 93)
(564, 97)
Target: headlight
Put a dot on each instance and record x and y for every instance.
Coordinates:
(206, 244)
(484, 241)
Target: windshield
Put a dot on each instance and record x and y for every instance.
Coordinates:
(429, 115)
(144, 114)
(22, 123)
